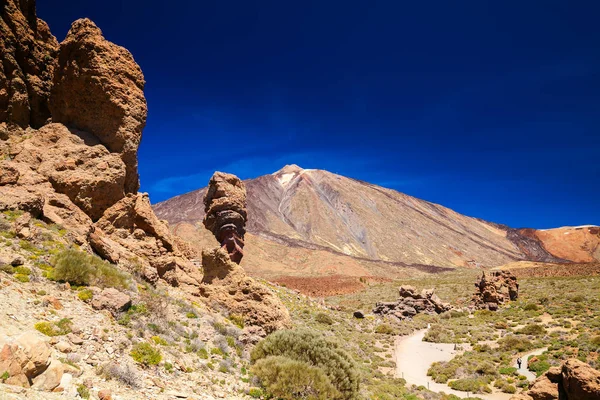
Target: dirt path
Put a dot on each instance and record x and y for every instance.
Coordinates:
(524, 356)
(414, 357)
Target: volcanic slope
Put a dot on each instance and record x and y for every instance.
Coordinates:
(358, 228)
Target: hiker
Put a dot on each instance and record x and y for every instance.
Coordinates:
(519, 361)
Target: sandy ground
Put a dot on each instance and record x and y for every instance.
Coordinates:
(414, 357)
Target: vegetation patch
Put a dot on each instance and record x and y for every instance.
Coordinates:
(83, 269)
(59, 328)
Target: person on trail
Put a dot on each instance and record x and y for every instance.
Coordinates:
(519, 361)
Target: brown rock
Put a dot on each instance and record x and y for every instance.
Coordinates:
(71, 161)
(554, 374)
(225, 207)
(50, 379)
(411, 303)
(543, 389)
(521, 396)
(98, 88)
(9, 175)
(28, 52)
(580, 381)
(18, 198)
(54, 302)
(498, 288)
(24, 359)
(111, 299)
(105, 394)
(225, 284)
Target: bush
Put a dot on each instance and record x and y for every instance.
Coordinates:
(474, 385)
(507, 370)
(85, 295)
(22, 270)
(385, 329)
(312, 350)
(83, 391)
(324, 319)
(7, 268)
(83, 269)
(22, 278)
(255, 393)
(533, 329)
(509, 389)
(59, 328)
(530, 307)
(146, 354)
(124, 374)
(514, 343)
(237, 320)
(290, 379)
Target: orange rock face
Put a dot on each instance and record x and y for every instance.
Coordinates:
(99, 88)
(28, 51)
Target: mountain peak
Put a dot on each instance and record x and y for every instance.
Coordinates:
(289, 169)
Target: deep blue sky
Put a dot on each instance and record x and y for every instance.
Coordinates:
(491, 108)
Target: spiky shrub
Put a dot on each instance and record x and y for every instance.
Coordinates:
(146, 354)
(83, 269)
(291, 348)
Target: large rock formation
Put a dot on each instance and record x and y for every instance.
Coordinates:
(575, 380)
(412, 303)
(225, 283)
(225, 207)
(28, 51)
(99, 88)
(497, 288)
(79, 168)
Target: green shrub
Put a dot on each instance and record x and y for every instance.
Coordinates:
(539, 364)
(22, 278)
(7, 268)
(314, 351)
(59, 328)
(191, 315)
(4, 376)
(530, 307)
(515, 343)
(22, 270)
(507, 370)
(255, 393)
(83, 269)
(85, 295)
(385, 329)
(290, 379)
(324, 319)
(237, 320)
(474, 385)
(509, 389)
(146, 354)
(533, 329)
(83, 391)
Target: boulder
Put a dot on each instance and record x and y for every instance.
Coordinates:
(99, 88)
(9, 174)
(543, 389)
(359, 314)
(24, 359)
(50, 379)
(412, 303)
(19, 198)
(112, 300)
(580, 381)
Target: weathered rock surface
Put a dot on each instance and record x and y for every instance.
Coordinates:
(579, 381)
(543, 389)
(497, 288)
(24, 359)
(226, 216)
(112, 300)
(412, 303)
(51, 378)
(575, 380)
(28, 51)
(226, 284)
(99, 88)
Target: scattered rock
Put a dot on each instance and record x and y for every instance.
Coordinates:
(63, 347)
(412, 303)
(359, 314)
(50, 378)
(112, 300)
(75, 339)
(500, 287)
(105, 394)
(17, 261)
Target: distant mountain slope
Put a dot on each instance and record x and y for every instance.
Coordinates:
(316, 209)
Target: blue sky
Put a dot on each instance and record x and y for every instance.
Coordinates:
(489, 108)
